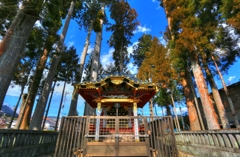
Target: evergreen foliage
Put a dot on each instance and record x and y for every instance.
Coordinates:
(68, 65)
(125, 23)
(144, 44)
(8, 9)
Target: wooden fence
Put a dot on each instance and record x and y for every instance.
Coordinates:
(116, 136)
(26, 143)
(219, 143)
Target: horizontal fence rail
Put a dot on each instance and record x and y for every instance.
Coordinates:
(26, 143)
(213, 142)
(141, 136)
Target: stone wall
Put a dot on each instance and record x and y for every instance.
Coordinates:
(217, 143)
(234, 92)
(23, 143)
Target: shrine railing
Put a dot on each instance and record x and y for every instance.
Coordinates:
(113, 135)
(19, 143)
(209, 142)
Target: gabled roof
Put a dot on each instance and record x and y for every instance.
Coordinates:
(121, 87)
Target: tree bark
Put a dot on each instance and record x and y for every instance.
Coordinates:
(73, 105)
(207, 104)
(49, 103)
(15, 109)
(168, 110)
(217, 98)
(192, 113)
(34, 88)
(162, 111)
(96, 53)
(13, 44)
(194, 95)
(169, 19)
(175, 112)
(95, 63)
(182, 120)
(22, 108)
(227, 95)
(121, 62)
(39, 111)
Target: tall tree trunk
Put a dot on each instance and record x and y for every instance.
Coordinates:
(188, 93)
(121, 62)
(207, 104)
(194, 95)
(15, 109)
(73, 105)
(14, 41)
(192, 113)
(95, 63)
(39, 111)
(48, 107)
(21, 112)
(227, 95)
(175, 113)
(162, 111)
(217, 98)
(60, 106)
(34, 88)
(96, 53)
(182, 120)
(168, 110)
(169, 19)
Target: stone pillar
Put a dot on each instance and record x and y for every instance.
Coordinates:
(98, 121)
(135, 121)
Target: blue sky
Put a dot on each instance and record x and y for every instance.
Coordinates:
(152, 21)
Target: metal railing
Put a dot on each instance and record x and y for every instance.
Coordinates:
(19, 143)
(219, 141)
(109, 136)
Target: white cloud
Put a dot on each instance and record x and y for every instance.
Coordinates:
(70, 43)
(156, 2)
(90, 49)
(133, 68)
(59, 89)
(107, 58)
(142, 29)
(15, 90)
(130, 48)
(231, 78)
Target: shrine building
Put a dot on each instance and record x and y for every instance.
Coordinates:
(116, 95)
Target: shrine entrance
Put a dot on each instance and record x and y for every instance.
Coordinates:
(116, 129)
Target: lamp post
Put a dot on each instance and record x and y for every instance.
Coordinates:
(117, 106)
